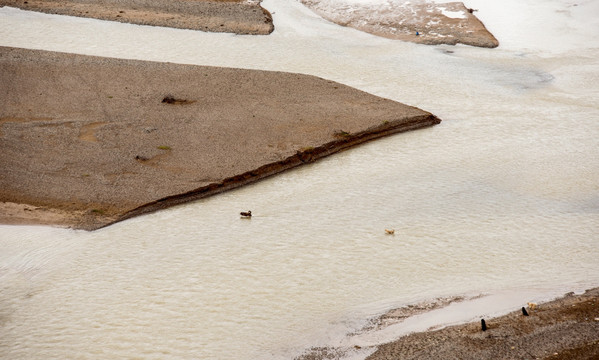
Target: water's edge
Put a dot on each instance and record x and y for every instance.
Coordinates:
(304, 156)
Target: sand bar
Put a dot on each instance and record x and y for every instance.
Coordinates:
(426, 23)
(234, 16)
(99, 140)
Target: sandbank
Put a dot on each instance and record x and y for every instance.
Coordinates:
(422, 23)
(99, 140)
(233, 16)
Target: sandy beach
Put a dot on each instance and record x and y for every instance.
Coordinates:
(88, 141)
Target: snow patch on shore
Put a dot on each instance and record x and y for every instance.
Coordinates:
(452, 14)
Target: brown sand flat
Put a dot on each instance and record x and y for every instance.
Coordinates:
(235, 16)
(100, 140)
(402, 21)
(566, 328)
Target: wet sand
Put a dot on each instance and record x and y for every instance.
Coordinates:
(87, 141)
(234, 16)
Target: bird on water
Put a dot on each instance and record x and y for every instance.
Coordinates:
(247, 214)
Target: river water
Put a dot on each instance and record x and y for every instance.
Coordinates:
(502, 196)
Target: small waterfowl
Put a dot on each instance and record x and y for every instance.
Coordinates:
(247, 214)
(531, 305)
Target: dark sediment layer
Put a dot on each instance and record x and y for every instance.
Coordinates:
(87, 141)
(234, 16)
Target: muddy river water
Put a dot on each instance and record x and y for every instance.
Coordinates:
(502, 196)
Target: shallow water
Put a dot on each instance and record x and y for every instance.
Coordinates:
(501, 196)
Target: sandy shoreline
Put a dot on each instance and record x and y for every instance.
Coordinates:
(99, 140)
(563, 328)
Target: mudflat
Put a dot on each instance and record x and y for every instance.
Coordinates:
(234, 16)
(87, 141)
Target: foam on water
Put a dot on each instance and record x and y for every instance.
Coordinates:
(501, 197)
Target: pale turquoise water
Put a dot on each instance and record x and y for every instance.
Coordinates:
(501, 196)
